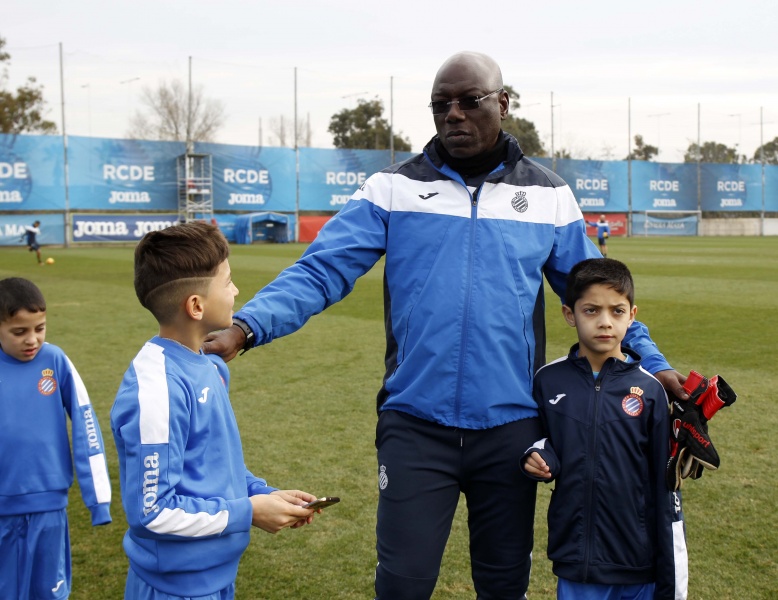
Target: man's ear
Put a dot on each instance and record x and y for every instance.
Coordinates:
(194, 306)
(569, 315)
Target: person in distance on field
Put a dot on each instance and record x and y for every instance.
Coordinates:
(614, 529)
(603, 233)
(189, 498)
(468, 229)
(39, 387)
(31, 234)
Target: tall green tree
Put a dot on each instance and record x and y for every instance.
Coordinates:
(642, 151)
(22, 110)
(712, 152)
(364, 128)
(770, 153)
(522, 129)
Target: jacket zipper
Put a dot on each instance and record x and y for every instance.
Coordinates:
(468, 289)
(590, 477)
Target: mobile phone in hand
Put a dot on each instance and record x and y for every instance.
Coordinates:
(322, 502)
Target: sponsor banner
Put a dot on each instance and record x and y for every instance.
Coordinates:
(12, 229)
(112, 174)
(251, 178)
(31, 173)
(596, 184)
(118, 228)
(328, 177)
(643, 224)
(728, 187)
(617, 222)
(663, 186)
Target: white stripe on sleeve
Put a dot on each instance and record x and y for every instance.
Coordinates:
(177, 521)
(152, 395)
(82, 395)
(100, 478)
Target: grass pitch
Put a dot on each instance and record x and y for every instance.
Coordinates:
(306, 409)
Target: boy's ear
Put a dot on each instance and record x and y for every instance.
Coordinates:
(569, 315)
(633, 311)
(194, 307)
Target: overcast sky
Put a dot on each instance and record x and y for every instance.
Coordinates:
(662, 57)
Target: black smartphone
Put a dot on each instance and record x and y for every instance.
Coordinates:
(322, 502)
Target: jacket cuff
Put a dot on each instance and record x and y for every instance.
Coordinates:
(101, 514)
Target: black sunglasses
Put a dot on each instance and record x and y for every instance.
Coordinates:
(441, 107)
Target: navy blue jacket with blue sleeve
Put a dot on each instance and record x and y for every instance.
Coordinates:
(612, 519)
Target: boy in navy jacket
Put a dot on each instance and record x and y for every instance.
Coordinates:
(39, 386)
(615, 530)
(189, 498)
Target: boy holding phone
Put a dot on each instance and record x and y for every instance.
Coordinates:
(190, 500)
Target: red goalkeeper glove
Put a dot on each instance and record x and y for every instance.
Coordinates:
(691, 448)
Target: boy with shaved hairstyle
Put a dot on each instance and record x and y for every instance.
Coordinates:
(189, 498)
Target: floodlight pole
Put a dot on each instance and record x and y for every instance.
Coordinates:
(64, 148)
(297, 167)
(391, 119)
(629, 167)
(761, 155)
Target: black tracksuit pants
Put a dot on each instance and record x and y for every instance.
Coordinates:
(423, 468)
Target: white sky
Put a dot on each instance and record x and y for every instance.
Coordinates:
(667, 56)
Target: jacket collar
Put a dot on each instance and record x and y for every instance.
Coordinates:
(514, 155)
(611, 365)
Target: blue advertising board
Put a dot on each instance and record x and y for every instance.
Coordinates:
(118, 228)
(250, 178)
(328, 178)
(112, 174)
(731, 187)
(663, 186)
(52, 227)
(597, 185)
(32, 176)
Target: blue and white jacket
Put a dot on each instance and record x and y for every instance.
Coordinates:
(185, 488)
(36, 469)
(612, 519)
(464, 307)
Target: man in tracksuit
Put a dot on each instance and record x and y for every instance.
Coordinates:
(468, 228)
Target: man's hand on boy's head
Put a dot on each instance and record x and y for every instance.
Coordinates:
(673, 382)
(280, 509)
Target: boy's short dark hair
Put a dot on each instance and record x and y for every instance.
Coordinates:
(603, 271)
(175, 262)
(17, 293)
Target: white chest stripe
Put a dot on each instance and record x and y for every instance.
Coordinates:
(531, 204)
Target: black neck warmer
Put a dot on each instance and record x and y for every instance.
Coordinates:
(480, 164)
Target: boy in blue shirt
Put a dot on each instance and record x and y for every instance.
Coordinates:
(189, 498)
(38, 387)
(603, 233)
(615, 530)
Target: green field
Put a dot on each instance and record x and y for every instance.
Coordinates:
(306, 408)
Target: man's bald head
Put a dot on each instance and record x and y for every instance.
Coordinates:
(468, 133)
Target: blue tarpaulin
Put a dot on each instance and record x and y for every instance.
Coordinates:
(262, 226)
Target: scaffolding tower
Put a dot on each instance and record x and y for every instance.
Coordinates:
(195, 187)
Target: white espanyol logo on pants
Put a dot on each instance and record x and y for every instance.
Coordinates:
(383, 478)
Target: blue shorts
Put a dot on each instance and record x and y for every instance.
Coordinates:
(570, 590)
(35, 555)
(137, 589)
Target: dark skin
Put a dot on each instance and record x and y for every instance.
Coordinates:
(464, 134)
